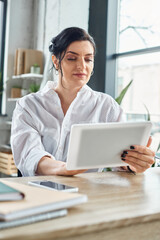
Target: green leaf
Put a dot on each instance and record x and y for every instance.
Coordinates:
(122, 94)
(158, 148)
(148, 114)
(35, 65)
(34, 87)
(107, 169)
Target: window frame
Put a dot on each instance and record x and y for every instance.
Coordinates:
(3, 46)
(111, 47)
(112, 54)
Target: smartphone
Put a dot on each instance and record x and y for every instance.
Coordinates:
(53, 186)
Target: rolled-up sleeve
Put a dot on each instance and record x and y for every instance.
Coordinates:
(27, 147)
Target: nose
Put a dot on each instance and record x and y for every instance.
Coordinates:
(81, 64)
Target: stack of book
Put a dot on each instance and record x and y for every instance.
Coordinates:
(22, 204)
(7, 165)
(25, 59)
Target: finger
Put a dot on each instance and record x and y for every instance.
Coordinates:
(149, 141)
(74, 172)
(143, 149)
(140, 157)
(136, 168)
(62, 170)
(137, 162)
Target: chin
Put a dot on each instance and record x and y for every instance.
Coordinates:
(81, 83)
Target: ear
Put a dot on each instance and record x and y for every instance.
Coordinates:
(55, 62)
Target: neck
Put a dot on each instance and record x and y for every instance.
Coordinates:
(66, 95)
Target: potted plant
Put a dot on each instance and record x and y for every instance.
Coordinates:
(34, 87)
(24, 92)
(35, 69)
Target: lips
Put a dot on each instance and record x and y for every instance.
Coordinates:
(80, 75)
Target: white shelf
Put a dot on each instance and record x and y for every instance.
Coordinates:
(28, 76)
(12, 99)
(9, 123)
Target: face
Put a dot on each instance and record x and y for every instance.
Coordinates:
(77, 64)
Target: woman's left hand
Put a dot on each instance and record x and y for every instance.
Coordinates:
(139, 158)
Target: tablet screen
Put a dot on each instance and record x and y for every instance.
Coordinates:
(101, 145)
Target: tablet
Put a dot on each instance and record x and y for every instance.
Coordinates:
(101, 145)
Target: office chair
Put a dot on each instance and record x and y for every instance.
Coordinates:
(19, 173)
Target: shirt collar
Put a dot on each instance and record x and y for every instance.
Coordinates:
(51, 85)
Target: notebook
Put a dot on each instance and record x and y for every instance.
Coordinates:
(8, 193)
(33, 219)
(37, 201)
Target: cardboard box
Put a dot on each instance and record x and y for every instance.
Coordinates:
(15, 92)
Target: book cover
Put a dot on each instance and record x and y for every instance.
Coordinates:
(37, 200)
(25, 58)
(31, 57)
(8, 193)
(15, 62)
(20, 61)
(33, 219)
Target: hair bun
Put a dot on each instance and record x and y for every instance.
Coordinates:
(59, 43)
(51, 47)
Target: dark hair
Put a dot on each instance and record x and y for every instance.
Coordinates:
(60, 43)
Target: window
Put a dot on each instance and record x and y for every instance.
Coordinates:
(3, 6)
(138, 57)
(133, 53)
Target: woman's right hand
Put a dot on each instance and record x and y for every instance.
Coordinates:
(62, 170)
(49, 166)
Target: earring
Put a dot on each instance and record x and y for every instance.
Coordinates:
(92, 72)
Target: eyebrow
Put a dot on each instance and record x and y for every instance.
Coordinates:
(88, 54)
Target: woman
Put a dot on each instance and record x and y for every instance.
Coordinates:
(42, 120)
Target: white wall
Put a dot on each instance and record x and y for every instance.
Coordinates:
(19, 30)
(1, 21)
(52, 16)
(57, 15)
(19, 34)
(39, 24)
(32, 24)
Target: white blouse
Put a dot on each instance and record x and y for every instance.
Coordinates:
(39, 127)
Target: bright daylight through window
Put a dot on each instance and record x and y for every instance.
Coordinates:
(139, 57)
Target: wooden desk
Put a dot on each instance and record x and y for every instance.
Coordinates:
(121, 206)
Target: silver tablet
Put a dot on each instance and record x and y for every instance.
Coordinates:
(101, 145)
